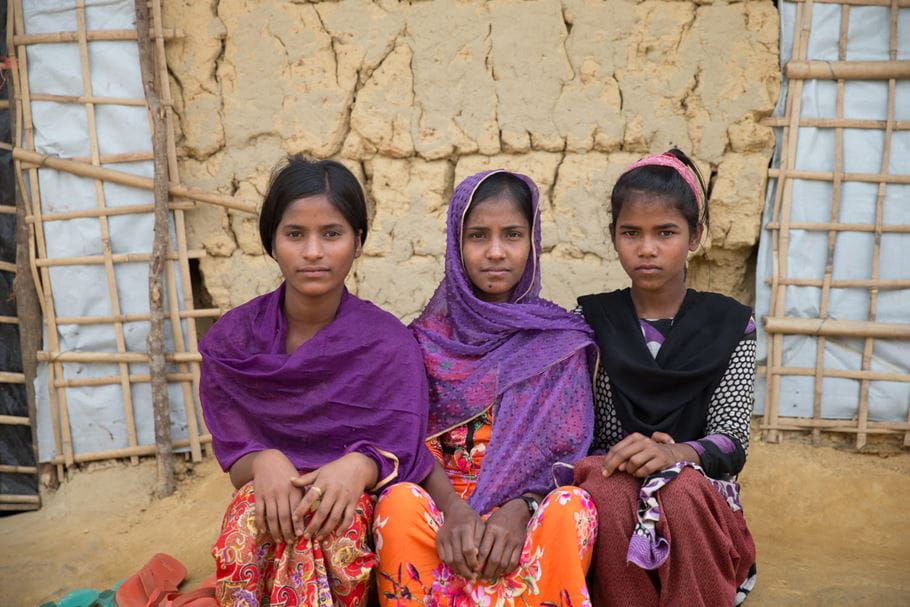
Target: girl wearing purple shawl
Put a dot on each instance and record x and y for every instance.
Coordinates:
(305, 410)
(510, 402)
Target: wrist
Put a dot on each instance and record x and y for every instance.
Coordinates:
(525, 506)
(366, 467)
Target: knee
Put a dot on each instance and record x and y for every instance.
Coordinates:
(402, 501)
(685, 488)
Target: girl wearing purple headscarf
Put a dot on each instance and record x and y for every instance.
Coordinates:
(510, 401)
(314, 398)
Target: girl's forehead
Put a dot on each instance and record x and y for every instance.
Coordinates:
(659, 209)
(496, 208)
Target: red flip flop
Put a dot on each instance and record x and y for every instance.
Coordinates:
(158, 577)
(200, 597)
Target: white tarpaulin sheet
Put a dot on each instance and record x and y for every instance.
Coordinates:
(868, 40)
(96, 413)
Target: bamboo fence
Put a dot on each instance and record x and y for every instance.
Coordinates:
(778, 326)
(179, 312)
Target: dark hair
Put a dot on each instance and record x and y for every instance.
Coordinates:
(663, 182)
(513, 187)
(299, 178)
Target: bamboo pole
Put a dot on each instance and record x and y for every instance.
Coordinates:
(14, 420)
(8, 377)
(9, 320)
(844, 374)
(115, 379)
(848, 70)
(837, 328)
(847, 284)
(843, 227)
(8, 498)
(833, 123)
(783, 198)
(142, 450)
(169, 143)
(6, 266)
(827, 277)
(83, 99)
(107, 253)
(63, 442)
(94, 35)
(19, 507)
(134, 209)
(7, 469)
(7, 210)
(160, 402)
(104, 320)
(87, 170)
(113, 357)
(899, 3)
(837, 429)
(90, 260)
(827, 176)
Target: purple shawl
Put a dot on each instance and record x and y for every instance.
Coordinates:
(528, 357)
(357, 385)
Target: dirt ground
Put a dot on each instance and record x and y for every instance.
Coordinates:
(831, 526)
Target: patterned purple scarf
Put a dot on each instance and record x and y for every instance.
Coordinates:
(357, 385)
(528, 357)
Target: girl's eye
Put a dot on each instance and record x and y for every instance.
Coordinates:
(476, 235)
(514, 235)
(667, 233)
(630, 233)
(295, 234)
(332, 234)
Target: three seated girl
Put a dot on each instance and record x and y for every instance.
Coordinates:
(316, 399)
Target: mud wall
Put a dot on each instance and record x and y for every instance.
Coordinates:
(415, 96)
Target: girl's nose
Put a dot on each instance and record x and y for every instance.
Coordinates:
(312, 249)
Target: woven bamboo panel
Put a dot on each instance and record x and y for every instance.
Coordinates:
(781, 227)
(101, 168)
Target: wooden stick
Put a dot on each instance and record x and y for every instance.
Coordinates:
(847, 284)
(7, 210)
(899, 3)
(134, 209)
(81, 99)
(847, 70)
(141, 450)
(160, 401)
(7, 377)
(833, 123)
(6, 266)
(87, 170)
(6, 469)
(826, 176)
(113, 357)
(837, 328)
(93, 35)
(113, 293)
(189, 401)
(63, 442)
(124, 158)
(104, 320)
(843, 373)
(8, 498)
(796, 427)
(843, 227)
(19, 507)
(9, 320)
(14, 420)
(90, 260)
(115, 379)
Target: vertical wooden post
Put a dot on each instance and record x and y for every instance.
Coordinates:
(163, 447)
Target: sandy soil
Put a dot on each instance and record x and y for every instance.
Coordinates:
(831, 528)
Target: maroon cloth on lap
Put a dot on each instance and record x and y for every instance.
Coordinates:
(711, 547)
(358, 385)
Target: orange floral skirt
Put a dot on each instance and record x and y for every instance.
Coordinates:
(254, 570)
(551, 571)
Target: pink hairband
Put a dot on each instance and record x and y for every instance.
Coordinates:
(669, 160)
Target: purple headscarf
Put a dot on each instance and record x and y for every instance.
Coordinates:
(527, 356)
(357, 385)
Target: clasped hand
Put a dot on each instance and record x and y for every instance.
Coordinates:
(475, 548)
(330, 493)
(641, 456)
